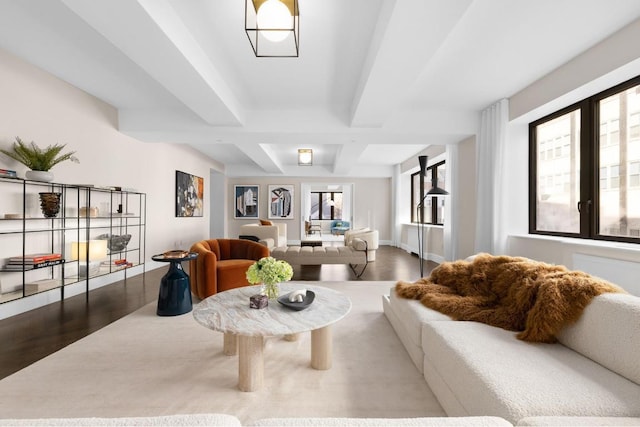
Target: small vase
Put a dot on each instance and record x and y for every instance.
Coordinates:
(50, 204)
(272, 291)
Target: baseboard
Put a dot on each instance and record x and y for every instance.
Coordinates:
(438, 259)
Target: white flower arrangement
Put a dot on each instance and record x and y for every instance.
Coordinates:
(270, 272)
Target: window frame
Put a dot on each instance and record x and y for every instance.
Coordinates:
(431, 173)
(332, 195)
(589, 198)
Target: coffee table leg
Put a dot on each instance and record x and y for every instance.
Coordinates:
(230, 344)
(250, 363)
(291, 337)
(321, 348)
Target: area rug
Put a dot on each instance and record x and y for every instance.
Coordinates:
(145, 365)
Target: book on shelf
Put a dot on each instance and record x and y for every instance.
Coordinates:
(34, 258)
(117, 263)
(26, 267)
(8, 173)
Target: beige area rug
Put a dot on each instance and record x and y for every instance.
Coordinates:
(146, 365)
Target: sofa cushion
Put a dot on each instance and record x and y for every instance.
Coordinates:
(161, 420)
(609, 333)
(381, 422)
(492, 373)
(579, 421)
(307, 255)
(413, 314)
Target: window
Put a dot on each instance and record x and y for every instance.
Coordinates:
(326, 205)
(433, 206)
(590, 188)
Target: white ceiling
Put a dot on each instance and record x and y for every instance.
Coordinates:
(377, 81)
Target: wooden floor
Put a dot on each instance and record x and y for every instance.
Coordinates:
(28, 337)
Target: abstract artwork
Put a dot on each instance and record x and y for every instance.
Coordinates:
(189, 194)
(281, 201)
(246, 200)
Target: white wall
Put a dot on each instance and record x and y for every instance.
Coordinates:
(467, 198)
(40, 107)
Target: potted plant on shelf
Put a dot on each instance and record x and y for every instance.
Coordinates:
(37, 159)
(269, 272)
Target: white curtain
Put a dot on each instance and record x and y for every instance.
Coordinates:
(397, 206)
(451, 205)
(490, 147)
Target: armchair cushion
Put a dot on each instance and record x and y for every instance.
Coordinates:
(359, 244)
(350, 234)
(222, 264)
(356, 238)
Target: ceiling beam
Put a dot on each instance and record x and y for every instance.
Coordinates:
(399, 53)
(176, 60)
(263, 156)
(347, 156)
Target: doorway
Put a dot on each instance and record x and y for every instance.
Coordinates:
(321, 203)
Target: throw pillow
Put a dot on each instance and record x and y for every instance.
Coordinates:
(338, 224)
(265, 222)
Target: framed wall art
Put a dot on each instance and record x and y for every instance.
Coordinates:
(189, 195)
(246, 201)
(281, 201)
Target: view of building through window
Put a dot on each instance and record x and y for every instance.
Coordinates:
(326, 205)
(619, 164)
(558, 184)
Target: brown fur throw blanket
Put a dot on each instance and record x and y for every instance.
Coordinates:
(518, 294)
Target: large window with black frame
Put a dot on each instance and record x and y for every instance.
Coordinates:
(585, 168)
(326, 205)
(432, 207)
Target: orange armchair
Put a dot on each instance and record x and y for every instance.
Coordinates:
(222, 264)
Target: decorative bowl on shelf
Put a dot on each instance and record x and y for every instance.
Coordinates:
(115, 243)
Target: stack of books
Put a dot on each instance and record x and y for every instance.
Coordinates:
(117, 264)
(8, 173)
(33, 261)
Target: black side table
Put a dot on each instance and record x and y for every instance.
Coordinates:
(174, 297)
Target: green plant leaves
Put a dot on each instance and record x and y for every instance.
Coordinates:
(36, 158)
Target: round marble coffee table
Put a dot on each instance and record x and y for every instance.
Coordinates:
(228, 312)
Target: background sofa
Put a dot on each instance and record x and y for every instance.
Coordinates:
(369, 236)
(277, 233)
(222, 264)
(477, 369)
(339, 226)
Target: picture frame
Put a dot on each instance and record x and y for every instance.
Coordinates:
(189, 195)
(281, 201)
(246, 201)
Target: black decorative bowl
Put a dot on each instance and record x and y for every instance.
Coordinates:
(297, 306)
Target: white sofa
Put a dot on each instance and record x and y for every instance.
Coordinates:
(475, 369)
(270, 235)
(366, 234)
(231, 421)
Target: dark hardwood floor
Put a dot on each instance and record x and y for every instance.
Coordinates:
(31, 336)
